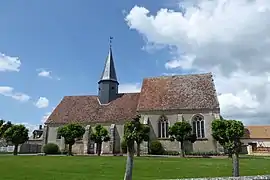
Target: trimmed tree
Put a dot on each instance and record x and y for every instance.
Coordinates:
(71, 132)
(229, 133)
(142, 134)
(100, 135)
(131, 130)
(16, 134)
(182, 132)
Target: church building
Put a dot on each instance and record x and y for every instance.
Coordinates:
(162, 101)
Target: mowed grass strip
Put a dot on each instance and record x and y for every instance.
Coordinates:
(112, 168)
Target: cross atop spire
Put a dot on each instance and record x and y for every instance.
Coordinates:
(109, 72)
(111, 38)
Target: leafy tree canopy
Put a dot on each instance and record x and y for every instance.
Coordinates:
(135, 131)
(70, 132)
(228, 134)
(181, 131)
(16, 134)
(100, 135)
(4, 126)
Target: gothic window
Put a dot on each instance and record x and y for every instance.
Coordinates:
(163, 127)
(198, 126)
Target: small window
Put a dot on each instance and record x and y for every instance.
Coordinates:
(112, 87)
(99, 89)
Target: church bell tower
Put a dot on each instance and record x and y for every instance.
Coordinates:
(108, 84)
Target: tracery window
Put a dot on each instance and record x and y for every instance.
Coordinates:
(163, 127)
(198, 126)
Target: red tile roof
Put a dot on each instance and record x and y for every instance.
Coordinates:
(159, 93)
(84, 109)
(178, 92)
(257, 132)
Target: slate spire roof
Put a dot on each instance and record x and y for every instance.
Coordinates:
(109, 72)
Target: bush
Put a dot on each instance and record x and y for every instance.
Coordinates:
(124, 147)
(211, 153)
(172, 153)
(156, 148)
(51, 148)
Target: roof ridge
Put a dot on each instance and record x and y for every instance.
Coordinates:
(178, 75)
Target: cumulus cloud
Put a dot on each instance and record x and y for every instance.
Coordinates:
(229, 38)
(129, 87)
(9, 92)
(46, 74)
(8, 63)
(42, 102)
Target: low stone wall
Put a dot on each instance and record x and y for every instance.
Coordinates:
(230, 178)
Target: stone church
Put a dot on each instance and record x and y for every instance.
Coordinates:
(162, 101)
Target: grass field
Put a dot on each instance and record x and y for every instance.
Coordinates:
(112, 168)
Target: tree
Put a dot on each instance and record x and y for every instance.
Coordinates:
(3, 127)
(131, 130)
(142, 134)
(100, 135)
(70, 132)
(181, 132)
(229, 133)
(16, 134)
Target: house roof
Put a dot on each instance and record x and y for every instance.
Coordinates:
(196, 91)
(257, 132)
(84, 109)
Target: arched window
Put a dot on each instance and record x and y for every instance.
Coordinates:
(163, 127)
(198, 126)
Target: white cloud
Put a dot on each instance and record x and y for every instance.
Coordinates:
(8, 63)
(44, 73)
(229, 38)
(42, 102)
(47, 74)
(130, 88)
(9, 92)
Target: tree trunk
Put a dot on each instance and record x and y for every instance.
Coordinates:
(70, 150)
(182, 149)
(99, 149)
(129, 164)
(138, 149)
(15, 152)
(235, 161)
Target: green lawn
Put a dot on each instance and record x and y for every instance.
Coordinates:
(112, 168)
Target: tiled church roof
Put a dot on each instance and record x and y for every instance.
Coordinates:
(159, 93)
(178, 92)
(83, 109)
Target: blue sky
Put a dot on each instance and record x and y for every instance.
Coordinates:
(69, 39)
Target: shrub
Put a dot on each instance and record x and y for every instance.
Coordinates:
(211, 153)
(124, 147)
(156, 148)
(51, 148)
(172, 153)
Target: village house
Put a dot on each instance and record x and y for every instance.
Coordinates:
(162, 101)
